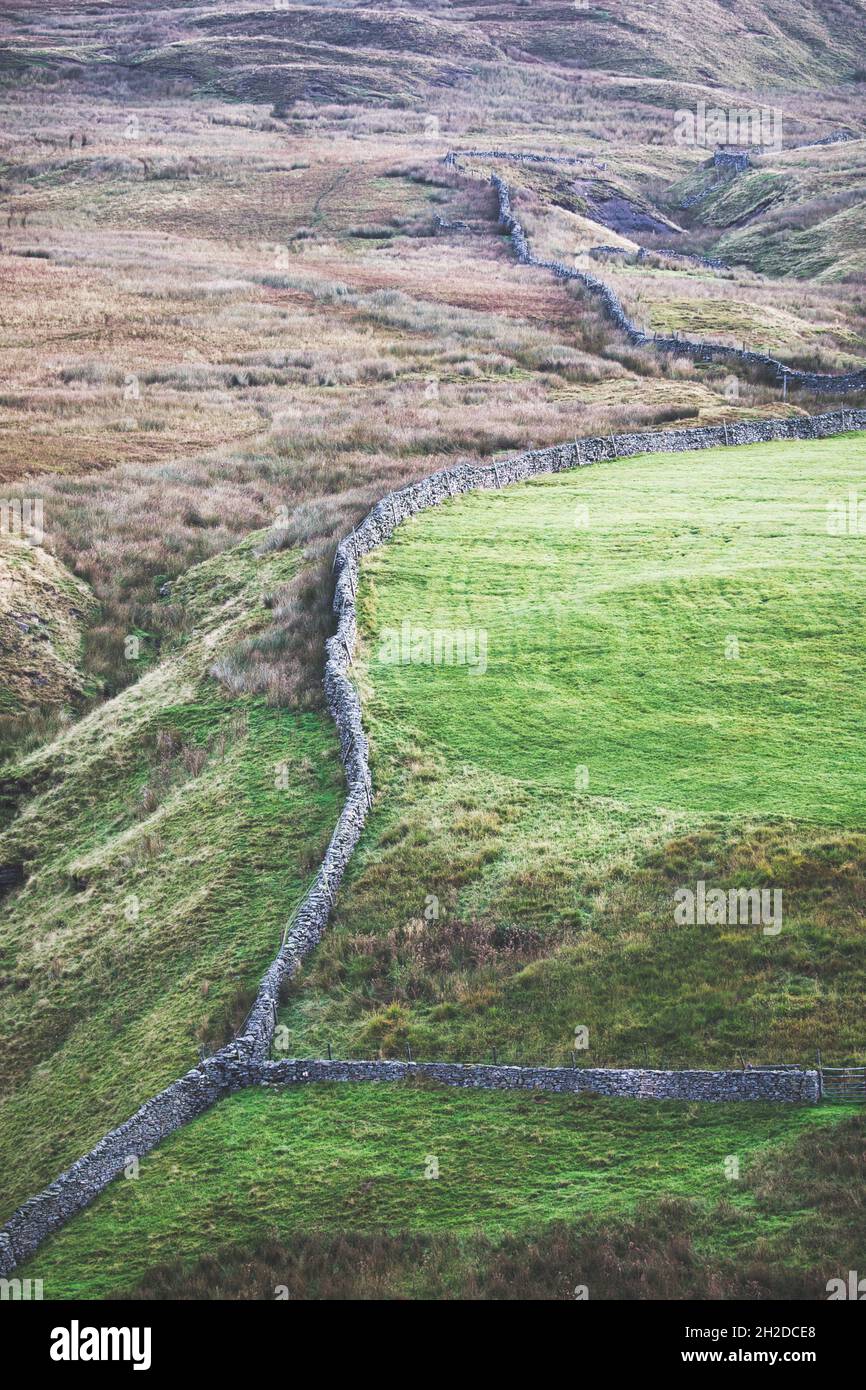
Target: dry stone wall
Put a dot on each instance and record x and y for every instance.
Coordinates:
(822, 383)
(523, 157)
(174, 1107)
(244, 1061)
(601, 253)
(791, 1087)
(737, 160)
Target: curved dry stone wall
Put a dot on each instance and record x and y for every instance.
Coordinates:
(821, 383)
(243, 1062)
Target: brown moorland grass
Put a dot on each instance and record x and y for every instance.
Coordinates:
(180, 378)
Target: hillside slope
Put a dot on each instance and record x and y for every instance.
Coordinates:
(338, 52)
(162, 842)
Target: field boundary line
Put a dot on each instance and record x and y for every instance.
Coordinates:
(822, 382)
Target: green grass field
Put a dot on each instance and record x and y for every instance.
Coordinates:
(610, 649)
(329, 1159)
(612, 600)
(243, 289)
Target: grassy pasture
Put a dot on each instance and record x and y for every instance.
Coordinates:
(672, 693)
(337, 1158)
(612, 600)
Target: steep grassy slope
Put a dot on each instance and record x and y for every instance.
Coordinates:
(747, 43)
(43, 609)
(670, 695)
(336, 1159)
(796, 212)
(788, 44)
(164, 840)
